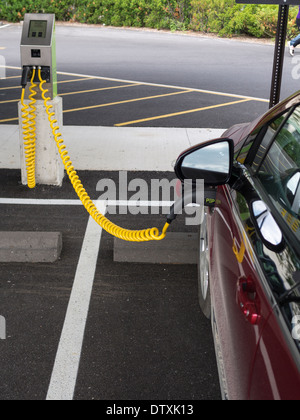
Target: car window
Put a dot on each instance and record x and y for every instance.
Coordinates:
(268, 137)
(279, 172)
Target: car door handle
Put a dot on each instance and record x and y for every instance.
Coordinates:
(248, 301)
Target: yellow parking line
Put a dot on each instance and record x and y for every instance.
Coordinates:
(100, 89)
(76, 80)
(9, 120)
(10, 87)
(12, 77)
(9, 102)
(79, 92)
(126, 102)
(148, 119)
(63, 81)
(175, 114)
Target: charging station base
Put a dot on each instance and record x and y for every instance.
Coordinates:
(49, 167)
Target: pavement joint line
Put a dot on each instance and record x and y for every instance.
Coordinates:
(67, 361)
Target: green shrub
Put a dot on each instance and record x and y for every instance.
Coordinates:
(223, 17)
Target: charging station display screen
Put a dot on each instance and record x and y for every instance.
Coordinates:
(37, 29)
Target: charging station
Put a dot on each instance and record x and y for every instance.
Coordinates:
(38, 51)
(44, 155)
(38, 48)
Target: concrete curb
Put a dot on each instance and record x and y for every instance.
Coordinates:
(114, 148)
(30, 247)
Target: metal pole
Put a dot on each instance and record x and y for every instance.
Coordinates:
(283, 15)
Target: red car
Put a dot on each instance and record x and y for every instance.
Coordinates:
(249, 259)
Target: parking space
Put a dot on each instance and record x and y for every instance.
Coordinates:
(87, 327)
(91, 100)
(90, 328)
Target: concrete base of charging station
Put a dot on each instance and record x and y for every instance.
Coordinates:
(176, 248)
(30, 247)
(49, 169)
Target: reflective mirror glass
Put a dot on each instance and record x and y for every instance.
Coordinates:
(212, 158)
(268, 227)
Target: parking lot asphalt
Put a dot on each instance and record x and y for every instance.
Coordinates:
(97, 101)
(144, 336)
(87, 327)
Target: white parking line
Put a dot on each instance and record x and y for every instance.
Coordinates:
(39, 202)
(51, 202)
(64, 374)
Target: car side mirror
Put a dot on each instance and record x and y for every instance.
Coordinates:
(211, 161)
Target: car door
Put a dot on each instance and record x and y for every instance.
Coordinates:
(276, 177)
(253, 265)
(241, 298)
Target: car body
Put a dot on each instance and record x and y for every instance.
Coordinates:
(249, 256)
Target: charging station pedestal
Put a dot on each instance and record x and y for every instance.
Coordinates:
(49, 169)
(38, 49)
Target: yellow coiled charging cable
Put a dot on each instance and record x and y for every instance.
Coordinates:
(29, 131)
(145, 235)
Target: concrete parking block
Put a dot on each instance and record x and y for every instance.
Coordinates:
(176, 248)
(30, 247)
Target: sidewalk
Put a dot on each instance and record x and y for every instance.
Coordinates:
(114, 148)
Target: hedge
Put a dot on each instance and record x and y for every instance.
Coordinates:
(223, 17)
